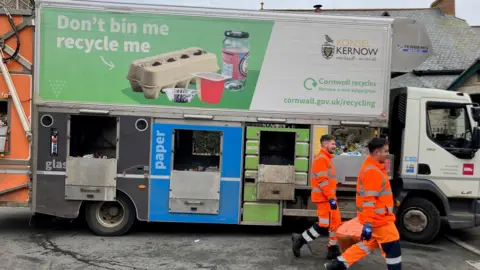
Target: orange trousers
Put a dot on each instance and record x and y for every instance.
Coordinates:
(386, 238)
(329, 219)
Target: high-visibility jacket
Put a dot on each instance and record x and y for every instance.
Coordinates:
(374, 194)
(323, 180)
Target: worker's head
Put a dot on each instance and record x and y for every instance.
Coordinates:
(378, 148)
(328, 143)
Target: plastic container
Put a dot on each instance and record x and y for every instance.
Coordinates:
(387, 165)
(3, 138)
(210, 86)
(235, 53)
(180, 95)
(349, 233)
(3, 131)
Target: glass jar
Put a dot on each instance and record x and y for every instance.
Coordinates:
(235, 53)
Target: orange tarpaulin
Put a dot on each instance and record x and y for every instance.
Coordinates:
(349, 233)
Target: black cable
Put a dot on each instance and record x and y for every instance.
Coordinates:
(14, 27)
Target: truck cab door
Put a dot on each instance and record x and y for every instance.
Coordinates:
(446, 132)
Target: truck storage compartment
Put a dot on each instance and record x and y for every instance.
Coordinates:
(277, 148)
(351, 151)
(92, 160)
(196, 150)
(276, 158)
(261, 213)
(195, 179)
(93, 136)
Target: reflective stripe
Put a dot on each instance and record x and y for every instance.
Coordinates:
(313, 232)
(316, 190)
(332, 234)
(306, 237)
(318, 174)
(323, 184)
(374, 193)
(330, 173)
(368, 204)
(332, 242)
(341, 259)
(380, 210)
(324, 221)
(393, 260)
(387, 192)
(364, 247)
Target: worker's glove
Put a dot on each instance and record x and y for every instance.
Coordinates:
(333, 204)
(367, 232)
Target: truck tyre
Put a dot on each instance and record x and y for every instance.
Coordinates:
(111, 218)
(419, 221)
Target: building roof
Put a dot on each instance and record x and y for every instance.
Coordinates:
(467, 74)
(427, 81)
(476, 28)
(455, 44)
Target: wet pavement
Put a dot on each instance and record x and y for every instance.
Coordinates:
(190, 246)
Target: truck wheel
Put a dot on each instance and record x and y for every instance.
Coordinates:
(419, 221)
(110, 218)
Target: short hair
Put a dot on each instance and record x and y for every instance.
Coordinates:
(376, 143)
(326, 138)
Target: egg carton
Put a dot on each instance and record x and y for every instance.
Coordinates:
(169, 70)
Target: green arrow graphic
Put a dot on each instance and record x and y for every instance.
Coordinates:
(309, 84)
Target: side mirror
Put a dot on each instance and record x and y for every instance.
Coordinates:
(476, 113)
(476, 138)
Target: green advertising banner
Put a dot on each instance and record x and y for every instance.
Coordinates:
(169, 60)
(286, 65)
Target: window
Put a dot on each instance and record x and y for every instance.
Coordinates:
(478, 76)
(197, 150)
(448, 125)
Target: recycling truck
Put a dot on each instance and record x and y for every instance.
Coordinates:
(196, 115)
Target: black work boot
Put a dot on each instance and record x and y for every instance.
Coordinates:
(335, 265)
(333, 252)
(297, 243)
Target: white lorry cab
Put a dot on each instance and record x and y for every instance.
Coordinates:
(197, 115)
(434, 134)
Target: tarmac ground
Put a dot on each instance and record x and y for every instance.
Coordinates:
(65, 245)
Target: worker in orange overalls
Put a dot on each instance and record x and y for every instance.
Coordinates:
(324, 185)
(375, 213)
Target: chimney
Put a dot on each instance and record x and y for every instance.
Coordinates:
(261, 5)
(318, 8)
(446, 6)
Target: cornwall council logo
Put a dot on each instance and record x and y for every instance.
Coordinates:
(328, 49)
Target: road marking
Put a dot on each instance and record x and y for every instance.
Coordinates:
(474, 264)
(463, 244)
